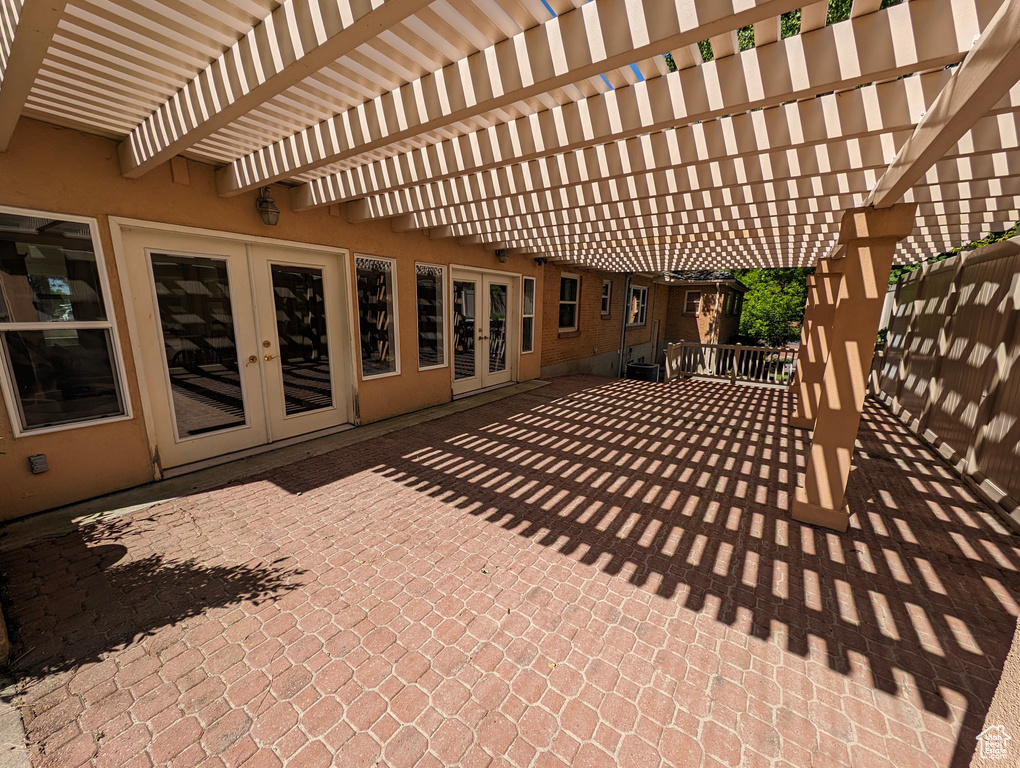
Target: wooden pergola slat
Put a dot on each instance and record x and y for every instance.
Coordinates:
(33, 25)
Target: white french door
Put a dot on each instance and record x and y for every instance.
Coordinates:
(484, 341)
(240, 343)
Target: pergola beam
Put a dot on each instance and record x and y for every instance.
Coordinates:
(874, 110)
(579, 44)
(794, 68)
(298, 39)
(26, 29)
(804, 212)
(716, 204)
(611, 229)
(684, 190)
(762, 146)
(990, 70)
(627, 240)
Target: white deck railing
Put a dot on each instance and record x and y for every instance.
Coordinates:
(730, 362)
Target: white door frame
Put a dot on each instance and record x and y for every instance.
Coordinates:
(515, 282)
(130, 294)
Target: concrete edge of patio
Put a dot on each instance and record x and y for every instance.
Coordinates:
(62, 520)
(13, 749)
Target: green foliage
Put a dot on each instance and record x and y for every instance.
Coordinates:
(745, 35)
(901, 271)
(774, 305)
(839, 10)
(789, 23)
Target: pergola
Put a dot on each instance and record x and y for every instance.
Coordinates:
(557, 128)
(561, 128)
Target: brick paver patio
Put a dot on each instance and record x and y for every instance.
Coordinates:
(595, 573)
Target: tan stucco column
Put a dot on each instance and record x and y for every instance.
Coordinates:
(867, 240)
(823, 290)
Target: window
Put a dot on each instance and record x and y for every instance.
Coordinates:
(738, 301)
(729, 302)
(570, 289)
(693, 303)
(58, 347)
(431, 314)
(528, 316)
(637, 305)
(377, 323)
(607, 293)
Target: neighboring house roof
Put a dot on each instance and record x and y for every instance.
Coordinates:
(697, 276)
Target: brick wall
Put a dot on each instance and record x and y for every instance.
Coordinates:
(680, 325)
(596, 333)
(595, 345)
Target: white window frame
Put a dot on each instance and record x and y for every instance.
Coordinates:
(642, 317)
(576, 302)
(396, 318)
(687, 302)
(607, 298)
(417, 317)
(534, 303)
(7, 385)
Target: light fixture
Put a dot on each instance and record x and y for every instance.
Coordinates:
(267, 208)
(540, 260)
(502, 255)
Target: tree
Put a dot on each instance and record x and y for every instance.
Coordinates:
(774, 305)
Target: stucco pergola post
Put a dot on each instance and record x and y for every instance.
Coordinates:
(867, 241)
(823, 290)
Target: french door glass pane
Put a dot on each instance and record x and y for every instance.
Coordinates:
(193, 295)
(304, 346)
(463, 329)
(497, 327)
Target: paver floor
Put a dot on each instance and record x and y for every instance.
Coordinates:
(596, 573)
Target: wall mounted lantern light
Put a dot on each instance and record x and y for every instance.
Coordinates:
(267, 208)
(502, 255)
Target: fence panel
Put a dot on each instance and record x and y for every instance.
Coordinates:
(934, 295)
(959, 381)
(964, 374)
(899, 325)
(998, 454)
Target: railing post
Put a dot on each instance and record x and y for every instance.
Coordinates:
(736, 362)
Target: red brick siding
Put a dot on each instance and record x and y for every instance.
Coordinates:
(699, 328)
(596, 333)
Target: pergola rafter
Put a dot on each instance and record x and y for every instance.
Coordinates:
(297, 39)
(794, 68)
(26, 29)
(539, 126)
(582, 43)
(629, 177)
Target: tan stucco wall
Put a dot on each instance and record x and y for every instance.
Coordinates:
(62, 171)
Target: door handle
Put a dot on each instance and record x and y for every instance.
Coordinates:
(251, 359)
(269, 357)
